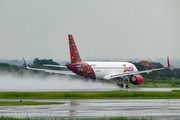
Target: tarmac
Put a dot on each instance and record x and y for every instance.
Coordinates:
(96, 108)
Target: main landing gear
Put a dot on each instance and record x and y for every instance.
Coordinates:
(120, 84)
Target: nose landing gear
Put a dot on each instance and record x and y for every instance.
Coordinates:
(127, 86)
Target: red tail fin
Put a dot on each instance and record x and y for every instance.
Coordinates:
(74, 54)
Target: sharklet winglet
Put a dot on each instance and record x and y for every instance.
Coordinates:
(168, 62)
(25, 63)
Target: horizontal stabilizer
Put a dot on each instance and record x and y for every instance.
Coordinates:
(50, 71)
(61, 66)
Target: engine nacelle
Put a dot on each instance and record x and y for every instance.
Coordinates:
(136, 80)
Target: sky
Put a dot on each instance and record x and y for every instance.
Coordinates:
(102, 29)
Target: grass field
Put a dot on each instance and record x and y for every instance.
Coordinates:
(15, 103)
(118, 94)
(153, 83)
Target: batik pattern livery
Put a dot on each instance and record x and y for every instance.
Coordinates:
(74, 54)
(84, 71)
(77, 65)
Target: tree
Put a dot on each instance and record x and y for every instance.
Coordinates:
(39, 62)
(5, 67)
(139, 66)
(159, 65)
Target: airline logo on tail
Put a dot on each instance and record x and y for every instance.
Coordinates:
(74, 54)
(77, 65)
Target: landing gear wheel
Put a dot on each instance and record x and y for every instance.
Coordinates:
(127, 86)
(120, 85)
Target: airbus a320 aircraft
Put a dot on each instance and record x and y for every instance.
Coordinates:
(99, 70)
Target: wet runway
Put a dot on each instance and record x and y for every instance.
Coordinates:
(98, 108)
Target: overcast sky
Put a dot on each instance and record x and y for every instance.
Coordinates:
(108, 29)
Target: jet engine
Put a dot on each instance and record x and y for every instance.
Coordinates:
(136, 80)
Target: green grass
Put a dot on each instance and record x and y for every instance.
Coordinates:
(15, 103)
(153, 83)
(118, 94)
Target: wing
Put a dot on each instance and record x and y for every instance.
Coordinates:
(117, 75)
(134, 73)
(50, 71)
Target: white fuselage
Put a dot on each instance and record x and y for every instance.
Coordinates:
(103, 69)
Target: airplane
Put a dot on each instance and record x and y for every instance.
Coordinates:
(121, 71)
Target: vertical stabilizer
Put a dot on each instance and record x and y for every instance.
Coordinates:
(74, 54)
